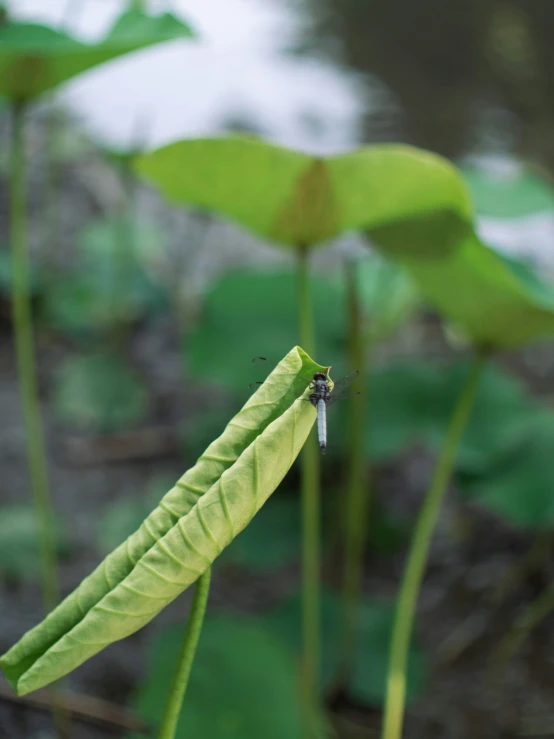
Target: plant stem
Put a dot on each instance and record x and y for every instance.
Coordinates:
(26, 366)
(358, 499)
(28, 386)
(181, 675)
(311, 514)
(417, 557)
(531, 617)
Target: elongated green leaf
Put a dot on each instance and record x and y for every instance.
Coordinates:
(194, 522)
(293, 198)
(34, 58)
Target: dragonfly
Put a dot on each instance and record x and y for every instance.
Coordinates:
(321, 396)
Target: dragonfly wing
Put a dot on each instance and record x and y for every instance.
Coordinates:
(334, 398)
(341, 384)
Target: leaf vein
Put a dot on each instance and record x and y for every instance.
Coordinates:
(189, 543)
(225, 507)
(207, 530)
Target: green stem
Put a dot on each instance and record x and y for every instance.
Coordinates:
(28, 386)
(124, 257)
(417, 557)
(358, 499)
(181, 675)
(311, 514)
(24, 345)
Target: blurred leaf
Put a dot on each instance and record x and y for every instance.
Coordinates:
(296, 199)
(368, 682)
(387, 293)
(511, 194)
(243, 684)
(35, 58)
(100, 392)
(134, 26)
(107, 284)
(6, 275)
(250, 313)
(518, 487)
(210, 505)
(100, 238)
(19, 535)
(411, 402)
(122, 517)
(484, 295)
(271, 541)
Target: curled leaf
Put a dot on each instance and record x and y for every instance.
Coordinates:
(180, 539)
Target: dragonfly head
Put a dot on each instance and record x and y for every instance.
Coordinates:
(320, 376)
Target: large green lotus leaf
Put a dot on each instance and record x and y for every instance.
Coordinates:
(518, 487)
(375, 619)
(516, 193)
(34, 58)
(293, 198)
(243, 685)
(496, 302)
(180, 539)
(249, 313)
(411, 403)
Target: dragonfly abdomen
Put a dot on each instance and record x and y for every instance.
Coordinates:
(322, 424)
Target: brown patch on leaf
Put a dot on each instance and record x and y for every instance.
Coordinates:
(311, 213)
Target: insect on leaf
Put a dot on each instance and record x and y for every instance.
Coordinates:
(181, 538)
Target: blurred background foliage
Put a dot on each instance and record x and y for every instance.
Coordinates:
(148, 317)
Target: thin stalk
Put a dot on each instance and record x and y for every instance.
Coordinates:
(311, 515)
(124, 256)
(417, 557)
(28, 386)
(358, 498)
(531, 617)
(53, 190)
(26, 366)
(181, 675)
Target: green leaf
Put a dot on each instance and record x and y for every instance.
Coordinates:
(243, 684)
(518, 487)
(293, 198)
(387, 294)
(272, 540)
(411, 402)
(368, 680)
(181, 538)
(100, 392)
(249, 313)
(19, 535)
(412, 204)
(106, 284)
(514, 194)
(134, 26)
(481, 293)
(34, 58)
